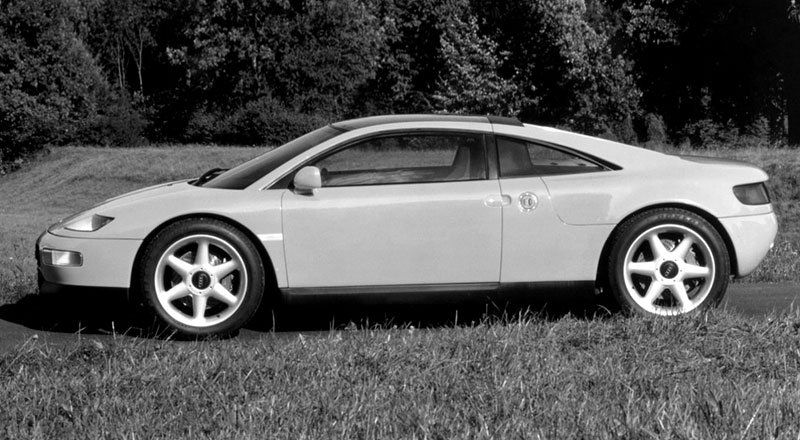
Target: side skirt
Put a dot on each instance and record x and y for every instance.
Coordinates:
(438, 293)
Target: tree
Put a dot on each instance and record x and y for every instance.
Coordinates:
(122, 31)
(565, 65)
(411, 57)
(726, 63)
(790, 72)
(469, 81)
(50, 85)
(310, 54)
(435, 58)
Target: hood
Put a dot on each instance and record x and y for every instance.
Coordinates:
(159, 197)
(151, 191)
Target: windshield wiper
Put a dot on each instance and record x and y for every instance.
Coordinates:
(208, 175)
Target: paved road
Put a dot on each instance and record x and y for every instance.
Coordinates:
(67, 320)
(762, 299)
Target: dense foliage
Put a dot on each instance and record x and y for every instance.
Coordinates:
(49, 83)
(118, 72)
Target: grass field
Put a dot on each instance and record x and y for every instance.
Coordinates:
(714, 376)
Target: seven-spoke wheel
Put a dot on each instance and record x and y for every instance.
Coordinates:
(668, 262)
(203, 277)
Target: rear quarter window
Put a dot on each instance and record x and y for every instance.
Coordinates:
(524, 158)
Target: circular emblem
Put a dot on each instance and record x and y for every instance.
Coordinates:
(528, 202)
(201, 280)
(669, 270)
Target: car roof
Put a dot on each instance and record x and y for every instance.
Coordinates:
(370, 121)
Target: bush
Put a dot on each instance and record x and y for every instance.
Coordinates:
(119, 124)
(203, 126)
(263, 121)
(709, 133)
(656, 128)
(626, 132)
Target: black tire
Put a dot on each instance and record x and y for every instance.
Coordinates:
(649, 280)
(184, 278)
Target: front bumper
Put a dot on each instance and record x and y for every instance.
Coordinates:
(107, 263)
(752, 237)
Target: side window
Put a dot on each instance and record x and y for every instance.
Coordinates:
(407, 158)
(521, 158)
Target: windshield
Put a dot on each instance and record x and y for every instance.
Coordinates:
(247, 173)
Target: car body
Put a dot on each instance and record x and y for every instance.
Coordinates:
(391, 205)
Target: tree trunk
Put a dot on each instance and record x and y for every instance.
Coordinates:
(134, 41)
(140, 62)
(120, 59)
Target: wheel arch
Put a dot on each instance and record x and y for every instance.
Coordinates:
(271, 282)
(601, 279)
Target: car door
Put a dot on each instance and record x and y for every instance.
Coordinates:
(537, 245)
(400, 209)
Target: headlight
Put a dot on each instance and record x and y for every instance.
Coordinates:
(752, 194)
(88, 224)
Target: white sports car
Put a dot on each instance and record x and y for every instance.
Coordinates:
(422, 204)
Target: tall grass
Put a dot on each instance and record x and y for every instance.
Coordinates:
(713, 376)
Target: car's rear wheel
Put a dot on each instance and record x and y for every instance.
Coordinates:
(668, 262)
(202, 277)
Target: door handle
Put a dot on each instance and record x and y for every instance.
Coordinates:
(497, 200)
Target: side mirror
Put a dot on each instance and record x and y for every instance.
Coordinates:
(307, 180)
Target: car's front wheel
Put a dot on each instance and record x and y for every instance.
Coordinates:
(202, 277)
(668, 262)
